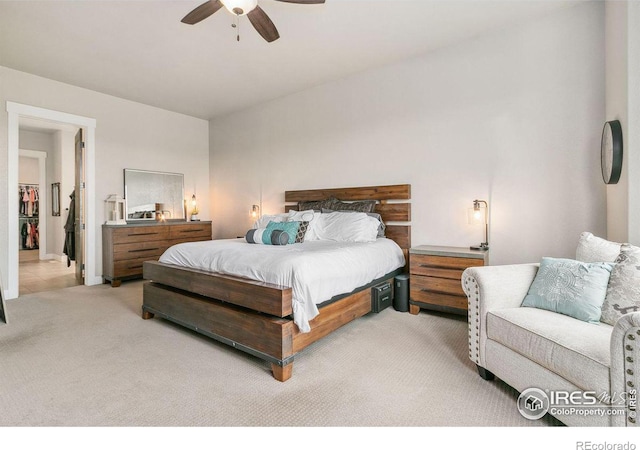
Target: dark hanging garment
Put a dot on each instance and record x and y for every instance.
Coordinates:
(70, 233)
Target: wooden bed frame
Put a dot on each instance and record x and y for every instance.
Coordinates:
(255, 317)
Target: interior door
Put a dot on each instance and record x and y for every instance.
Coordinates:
(79, 208)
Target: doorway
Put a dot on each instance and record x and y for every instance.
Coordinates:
(46, 159)
(17, 113)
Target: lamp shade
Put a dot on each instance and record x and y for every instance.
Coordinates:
(476, 216)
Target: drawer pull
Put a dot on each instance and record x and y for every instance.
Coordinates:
(139, 266)
(143, 250)
(143, 234)
(190, 231)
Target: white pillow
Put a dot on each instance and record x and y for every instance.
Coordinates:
(354, 227)
(594, 249)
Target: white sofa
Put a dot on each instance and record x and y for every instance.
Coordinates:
(528, 347)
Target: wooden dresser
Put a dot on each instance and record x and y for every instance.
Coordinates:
(435, 277)
(126, 247)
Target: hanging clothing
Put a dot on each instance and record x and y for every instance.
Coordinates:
(24, 200)
(70, 231)
(35, 236)
(24, 233)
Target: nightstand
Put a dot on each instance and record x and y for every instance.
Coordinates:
(435, 274)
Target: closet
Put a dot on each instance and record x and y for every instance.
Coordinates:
(29, 196)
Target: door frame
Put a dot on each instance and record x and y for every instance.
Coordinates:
(15, 111)
(42, 200)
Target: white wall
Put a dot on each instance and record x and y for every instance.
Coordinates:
(128, 134)
(513, 117)
(29, 171)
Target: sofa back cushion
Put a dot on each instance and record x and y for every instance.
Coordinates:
(570, 287)
(623, 293)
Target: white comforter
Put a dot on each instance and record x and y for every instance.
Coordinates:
(315, 270)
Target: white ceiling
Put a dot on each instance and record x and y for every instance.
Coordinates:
(139, 50)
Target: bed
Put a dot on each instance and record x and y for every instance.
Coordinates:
(257, 316)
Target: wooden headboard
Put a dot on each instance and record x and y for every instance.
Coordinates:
(396, 215)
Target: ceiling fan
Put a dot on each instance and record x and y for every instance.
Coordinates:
(258, 18)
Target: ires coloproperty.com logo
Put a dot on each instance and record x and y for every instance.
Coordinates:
(534, 403)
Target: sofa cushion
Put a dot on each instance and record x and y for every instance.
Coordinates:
(570, 287)
(623, 292)
(575, 350)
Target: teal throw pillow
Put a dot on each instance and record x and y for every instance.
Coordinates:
(290, 227)
(570, 287)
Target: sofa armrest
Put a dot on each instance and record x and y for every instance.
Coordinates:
(489, 288)
(625, 368)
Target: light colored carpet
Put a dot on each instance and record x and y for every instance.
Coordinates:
(82, 356)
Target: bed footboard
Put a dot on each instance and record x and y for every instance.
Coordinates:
(267, 337)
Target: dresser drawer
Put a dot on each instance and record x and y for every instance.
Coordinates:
(125, 248)
(421, 264)
(190, 232)
(130, 267)
(140, 234)
(138, 250)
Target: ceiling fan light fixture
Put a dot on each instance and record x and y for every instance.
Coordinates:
(240, 7)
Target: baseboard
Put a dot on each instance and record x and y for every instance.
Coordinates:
(53, 256)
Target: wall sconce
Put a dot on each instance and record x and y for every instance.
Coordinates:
(194, 209)
(255, 212)
(480, 215)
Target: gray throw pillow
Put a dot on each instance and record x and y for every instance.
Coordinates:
(317, 205)
(365, 206)
(623, 293)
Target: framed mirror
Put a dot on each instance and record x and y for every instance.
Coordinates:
(149, 195)
(55, 199)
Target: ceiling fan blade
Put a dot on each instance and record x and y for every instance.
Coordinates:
(263, 24)
(304, 2)
(202, 12)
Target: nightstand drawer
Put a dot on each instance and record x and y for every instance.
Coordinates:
(423, 270)
(421, 263)
(420, 284)
(438, 299)
(140, 234)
